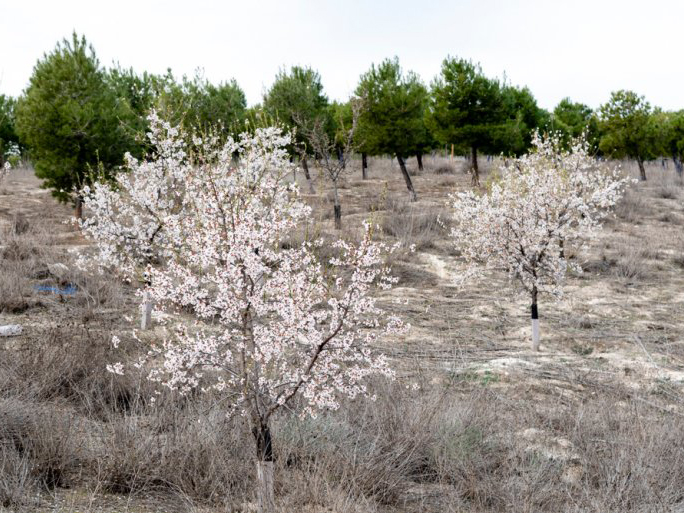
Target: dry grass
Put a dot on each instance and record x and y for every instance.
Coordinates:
(462, 446)
(17, 485)
(632, 264)
(444, 169)
(633, 208)
(414, 225)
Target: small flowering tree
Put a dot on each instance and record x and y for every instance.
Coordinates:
(549, 198)
(129, 218)
(268, 325)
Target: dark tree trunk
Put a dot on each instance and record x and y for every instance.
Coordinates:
(476, 170)
(305, 167)
(265, 468)
(419, 158)
(338, 216)
(337, 208)
(340, 158)
(535, 320)
(678, 165)
(407, 178)
(364, 166)
(78, 207)
(264, 444)
(642, 171)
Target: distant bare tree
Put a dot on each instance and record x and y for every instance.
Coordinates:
(305, 167)
(333, 151)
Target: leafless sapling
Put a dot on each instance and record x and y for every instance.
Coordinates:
(333, 152)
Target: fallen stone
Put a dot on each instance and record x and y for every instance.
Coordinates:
(58, 270)
(10, 330)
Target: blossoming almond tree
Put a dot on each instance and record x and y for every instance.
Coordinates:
(549, 198)
(268, 325)
(129, 219)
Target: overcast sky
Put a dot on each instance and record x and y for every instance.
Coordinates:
(582, 48)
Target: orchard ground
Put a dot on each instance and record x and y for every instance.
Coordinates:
(474, 422)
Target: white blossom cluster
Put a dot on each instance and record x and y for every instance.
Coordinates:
(269, 321)
(549, 199)
(131, 219)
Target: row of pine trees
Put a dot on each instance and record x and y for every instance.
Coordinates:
(77, 118)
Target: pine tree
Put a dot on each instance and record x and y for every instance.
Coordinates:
(71, 120)
(296, 99)
(625, 126)
(572, 119)
(198, 105)
(393, 119)
(670, 136)
(521, 118)
(467, 109)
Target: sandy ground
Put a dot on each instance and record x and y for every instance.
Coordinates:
(630, 327)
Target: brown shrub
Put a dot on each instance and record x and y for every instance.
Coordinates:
(632, 208)
(445, 168)
(17, 485)
(632, 264)
(69, 364)
(414, 224)
(45, 437)
(194, 450)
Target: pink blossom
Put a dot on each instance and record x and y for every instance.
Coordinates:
(266, 323)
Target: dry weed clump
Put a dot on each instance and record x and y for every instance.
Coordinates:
(632, 456)
(667, 191)
(465, 167)
(67, 364)
(195, 451)
(447, 182)
(45, 442)
(671, 218)
(24, 253)
(370, 449)
(414, 225)
(633, 208)
(633, 262)
(17, 485)
(445, 168)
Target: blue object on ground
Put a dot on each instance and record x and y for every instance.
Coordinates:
(69, 290)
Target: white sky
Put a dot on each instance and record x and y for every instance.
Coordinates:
(583, 49)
